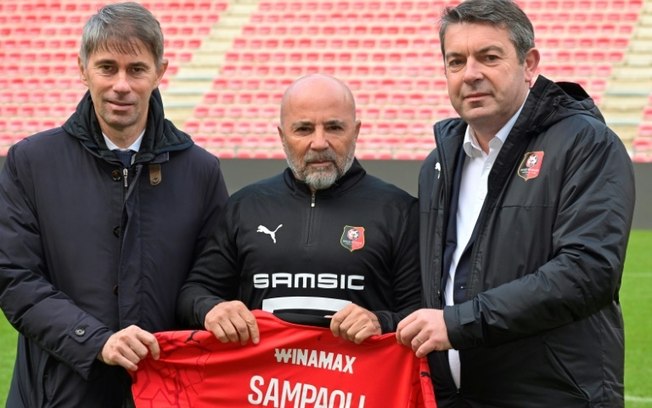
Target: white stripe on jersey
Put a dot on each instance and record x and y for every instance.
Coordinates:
(304, 303)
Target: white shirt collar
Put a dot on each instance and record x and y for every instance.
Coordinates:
(135, 146)
(471, 145)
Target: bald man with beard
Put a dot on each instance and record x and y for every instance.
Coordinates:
(323, 243)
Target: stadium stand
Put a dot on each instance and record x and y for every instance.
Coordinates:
(230, 61)
(642, 143)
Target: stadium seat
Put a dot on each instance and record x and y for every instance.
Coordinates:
(642, 149)
(388, 52)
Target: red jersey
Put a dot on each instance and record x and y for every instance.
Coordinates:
(293, 366)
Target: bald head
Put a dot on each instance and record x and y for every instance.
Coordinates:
(323, 86)
(318, 129)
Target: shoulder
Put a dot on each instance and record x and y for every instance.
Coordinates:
(375, 188)
(199, 153)
(581, 132)
(268, 187)
(43, 145)
(197, 158)
(376, 183)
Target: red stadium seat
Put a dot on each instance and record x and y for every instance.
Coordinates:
(388, 52)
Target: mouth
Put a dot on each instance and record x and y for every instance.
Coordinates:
(119, 105)
(475, 96)
(317, 163)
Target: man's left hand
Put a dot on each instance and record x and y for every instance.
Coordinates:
(355, 323)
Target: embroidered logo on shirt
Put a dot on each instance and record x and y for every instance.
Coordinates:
(352, 238)
(266, 231)
(531, 165)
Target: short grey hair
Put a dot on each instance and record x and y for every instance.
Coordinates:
(118, 27)
(499, 13)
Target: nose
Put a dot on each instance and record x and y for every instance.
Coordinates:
(319, 139)
(472, 70)
(121, 83)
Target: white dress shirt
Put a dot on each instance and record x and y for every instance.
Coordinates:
(473, 190)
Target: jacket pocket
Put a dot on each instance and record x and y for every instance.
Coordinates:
(565, 373)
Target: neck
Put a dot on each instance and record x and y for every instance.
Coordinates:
(123, 139)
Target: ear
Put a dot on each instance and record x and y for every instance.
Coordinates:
(82, 71)
(358, 124)
(531, 64)
(161, 72)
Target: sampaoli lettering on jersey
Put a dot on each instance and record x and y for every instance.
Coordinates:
(286, 394)
(280, 393)
(293, 366)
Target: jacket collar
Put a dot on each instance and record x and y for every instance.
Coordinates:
(344, 183)
(161, 136)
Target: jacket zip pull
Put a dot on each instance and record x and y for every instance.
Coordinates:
(125, 174)
(312, 200)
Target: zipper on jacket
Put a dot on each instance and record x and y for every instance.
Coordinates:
(125, 175)
(310, 218)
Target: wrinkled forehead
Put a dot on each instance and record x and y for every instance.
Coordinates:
(317, 100)
(318, 111)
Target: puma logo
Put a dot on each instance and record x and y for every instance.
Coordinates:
(272, 234)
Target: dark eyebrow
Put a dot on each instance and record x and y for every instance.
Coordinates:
(453, 54)
(139, 65)
(485, 50)
(301, 123)
(336, 122)
(108, 61)
(491, 48)
(105, 61)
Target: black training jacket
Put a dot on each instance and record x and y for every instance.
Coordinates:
(282, 249)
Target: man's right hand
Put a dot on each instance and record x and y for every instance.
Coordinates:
(232, 322)
(128, 346)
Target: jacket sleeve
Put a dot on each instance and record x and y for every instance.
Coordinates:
(216, 198)
(582, 273)
(214, 276)
(31, 303)
(406, 281)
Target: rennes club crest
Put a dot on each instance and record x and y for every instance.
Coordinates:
(352, 238)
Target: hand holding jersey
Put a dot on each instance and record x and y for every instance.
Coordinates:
(128, 347)
(355, 323)
(292, 366)
(424, 331)
(232, 321)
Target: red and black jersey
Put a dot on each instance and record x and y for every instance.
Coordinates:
(293, 366)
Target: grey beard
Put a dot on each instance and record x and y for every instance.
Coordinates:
(321, 180)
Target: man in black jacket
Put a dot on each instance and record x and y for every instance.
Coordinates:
(526, 208)
(321, 239)
(94, 249)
